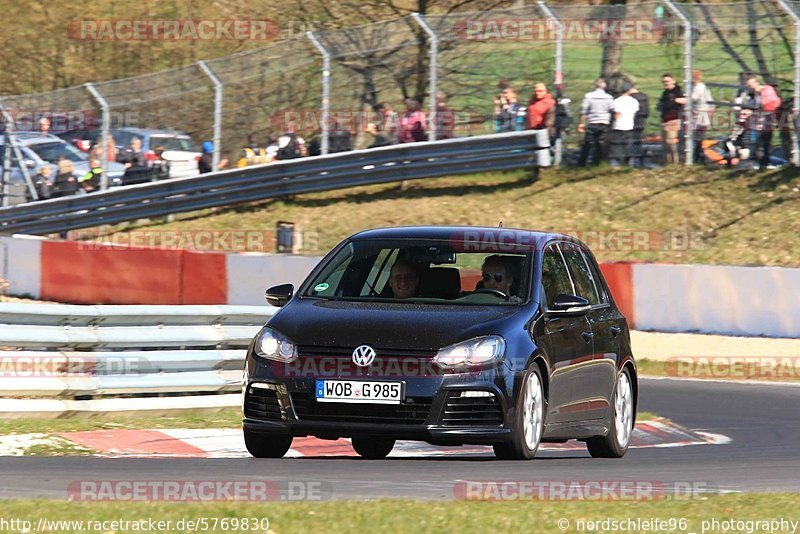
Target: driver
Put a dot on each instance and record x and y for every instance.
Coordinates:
(497, 275)
(403, 279)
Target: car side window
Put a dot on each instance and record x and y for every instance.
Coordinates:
(581, 275)
(597, 277)
(555, 278)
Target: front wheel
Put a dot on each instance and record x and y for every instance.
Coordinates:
(529, 421)
(615, 443)
(265, 445)
(373, 448)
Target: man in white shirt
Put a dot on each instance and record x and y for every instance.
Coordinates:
(625, 108)
(594, 122)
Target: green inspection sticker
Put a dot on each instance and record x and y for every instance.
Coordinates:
(321, 287)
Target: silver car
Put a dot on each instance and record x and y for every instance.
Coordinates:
(39, 150)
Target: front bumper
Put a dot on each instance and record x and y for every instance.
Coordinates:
(435, 408)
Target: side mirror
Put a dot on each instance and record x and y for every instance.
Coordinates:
(570, 305)
(30, 163)
(279, 295)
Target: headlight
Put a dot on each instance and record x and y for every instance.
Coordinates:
(478, 351)
(273, 346)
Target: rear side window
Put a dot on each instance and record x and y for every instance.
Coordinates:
(555, 278)
(581, 274)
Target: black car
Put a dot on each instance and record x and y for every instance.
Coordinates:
(449, 335)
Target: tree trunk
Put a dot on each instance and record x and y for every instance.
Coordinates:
(611, 63)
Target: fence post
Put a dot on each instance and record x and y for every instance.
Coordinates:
(433, 75)
(103, 103)
(687, 74)
(218, 87)
(558, 80)
(796, 101)
(326, 90)
(11, 145)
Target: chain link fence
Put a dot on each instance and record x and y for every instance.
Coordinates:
(327, 82)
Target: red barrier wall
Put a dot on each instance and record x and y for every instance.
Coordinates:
(620, 281)
(106, 274)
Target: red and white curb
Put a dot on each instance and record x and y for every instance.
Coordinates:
(228, 443)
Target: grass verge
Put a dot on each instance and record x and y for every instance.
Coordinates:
(399, 516)
(710, 369)
(665, 215)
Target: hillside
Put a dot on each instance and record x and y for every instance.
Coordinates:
(751, 219)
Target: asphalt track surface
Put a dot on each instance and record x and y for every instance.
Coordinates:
(763, 422)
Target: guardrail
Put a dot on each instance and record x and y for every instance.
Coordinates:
(196, 349)
(348, 169)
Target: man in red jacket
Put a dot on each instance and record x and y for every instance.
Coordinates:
(542, 110)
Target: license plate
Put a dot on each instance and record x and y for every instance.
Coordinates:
(359, 391)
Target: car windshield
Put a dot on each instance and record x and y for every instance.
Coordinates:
(423, 270)
(56, 150)
(173, 143)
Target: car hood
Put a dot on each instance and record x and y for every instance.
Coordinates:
(427, 327)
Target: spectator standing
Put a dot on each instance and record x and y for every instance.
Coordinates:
(445, 119)
(44, 126)
(762, 102)
(92, 179)
(412, 123)
(385, 130)
(205, 163)
(625, 109)
(595, 120)
(506, 111)
(542, 110)
(639, 124)
(670, 105)
(65, 183)
(702, 110)
(160, 166)
(41, 181)
(131, 156)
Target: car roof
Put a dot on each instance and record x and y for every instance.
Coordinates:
(150, 132)
(499, 235)
(32, 137)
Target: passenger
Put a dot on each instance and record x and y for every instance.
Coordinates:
(403, 279)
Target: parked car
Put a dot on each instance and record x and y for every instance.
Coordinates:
(180, 150)
(39, 150)
(508, 338)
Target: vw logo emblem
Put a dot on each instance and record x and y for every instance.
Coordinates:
(363, 355)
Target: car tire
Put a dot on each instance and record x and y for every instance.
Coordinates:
(615, 443)
(373, 448)
(266, 445)
(528, 425)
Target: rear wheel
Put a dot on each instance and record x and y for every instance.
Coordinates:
(615, 443)
(529, 423)
(373, 448)
(266, 445)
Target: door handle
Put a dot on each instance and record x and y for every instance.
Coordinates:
(587, 336)
(615, 330)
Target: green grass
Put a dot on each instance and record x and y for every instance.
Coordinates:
(747, 219)
(398, 516)
(227, 418)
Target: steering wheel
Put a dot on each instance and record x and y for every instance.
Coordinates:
(492, 291)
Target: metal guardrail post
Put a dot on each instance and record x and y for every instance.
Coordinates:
(687, 73)
(218, 87)
(792, 12)
(558, 79)
(103, 103)
(5, 179)
(326, 91)
(433, 76)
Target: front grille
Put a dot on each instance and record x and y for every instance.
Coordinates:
(260, 403)
(471, 411)
(347, 352)
(414, 411)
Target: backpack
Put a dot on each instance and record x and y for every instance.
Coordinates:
(288, 147)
